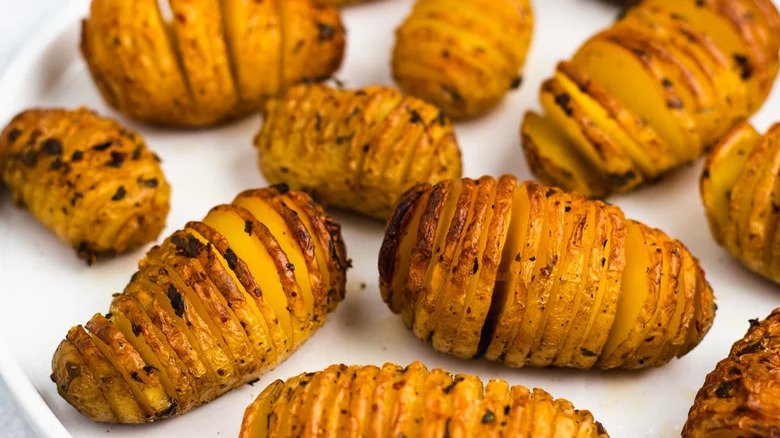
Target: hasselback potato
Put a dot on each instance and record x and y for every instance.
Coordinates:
(215, 60)
(741, 397)
(356, 149)
(213, 307)
(411, 402)
(88, 179)
(463, 55)
(533, 275)
(740, 187)
(652, 93)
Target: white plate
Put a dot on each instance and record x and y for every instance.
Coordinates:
(45, 289)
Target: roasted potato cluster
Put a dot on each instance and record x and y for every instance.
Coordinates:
(356, 149)
(215, 60)
(213, 307)
(533, 275)
(652, 93)
(463, 56)
(411, 402)
(740, 187)
(741, 397)
(92, 182)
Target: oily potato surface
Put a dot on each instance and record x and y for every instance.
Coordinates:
(214, 61)
(741, 396)
(214, 306)
(394, 401)
(463, 56)
(531, 275)
(91, 181)
(357, 149)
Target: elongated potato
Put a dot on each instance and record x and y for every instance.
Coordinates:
(701, 67)
(531, 275)
(88, 179)
(355, 149)
(463, 56)
(741, 396)
(740, 187)
(214, 306)
(411, 402)
(214, 61)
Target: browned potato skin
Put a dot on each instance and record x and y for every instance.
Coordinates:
(741, 396)
(205, 71)
(697, 314)
(210, 346)
(463, 58)
(356, 149)
(421, 404)
(91, 181)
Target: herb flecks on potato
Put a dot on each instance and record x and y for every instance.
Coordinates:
(356, 149)
(92, 182)
(411, 402)
(531, 275)
(652, 93)
(214, 61)
(214, 306)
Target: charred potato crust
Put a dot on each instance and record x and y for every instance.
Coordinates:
(214, 61)
(531, 275)
(412, 402)
(741, 397)
(355, 149)
(92, 182)
(214, 306)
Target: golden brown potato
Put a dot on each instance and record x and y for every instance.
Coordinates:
(88, 179)
(701, 66)
(463, 56)
(411, 402)
(356, 149)
(213, 307)
(740, 187)
(214, 61)
(741, 397)
(531, 275)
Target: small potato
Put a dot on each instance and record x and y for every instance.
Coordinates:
(356, 149)
(531, 275)
(89, 180)
(411, 402)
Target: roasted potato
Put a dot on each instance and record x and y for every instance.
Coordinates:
(463, 56)
(213, 307)
(216, 60)
(356, 149)
(701, 66)
(411, 402)
(741, 397)
(88, 179)
(740, 187)
(531, 275)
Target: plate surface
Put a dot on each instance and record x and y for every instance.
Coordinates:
(45, 289)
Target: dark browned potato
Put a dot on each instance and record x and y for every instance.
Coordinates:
(216, 60)
(410, 402)
(741, 397)
(213, 307)
(88, 179)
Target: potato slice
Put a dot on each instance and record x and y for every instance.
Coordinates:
(388, 381)
(465, 390)
(257, 416)
(407, 413)
(359, 410)
(335, 419)
(79, 384)
(294, 416)
(680, 324)
(437, 407)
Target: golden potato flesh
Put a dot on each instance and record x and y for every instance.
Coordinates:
(214, 306)
(88, 179)
(356, 149)
(741, 397)
(464, 56)
(411, 402)
(213, 61)
(701, 67)
(531, 275)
